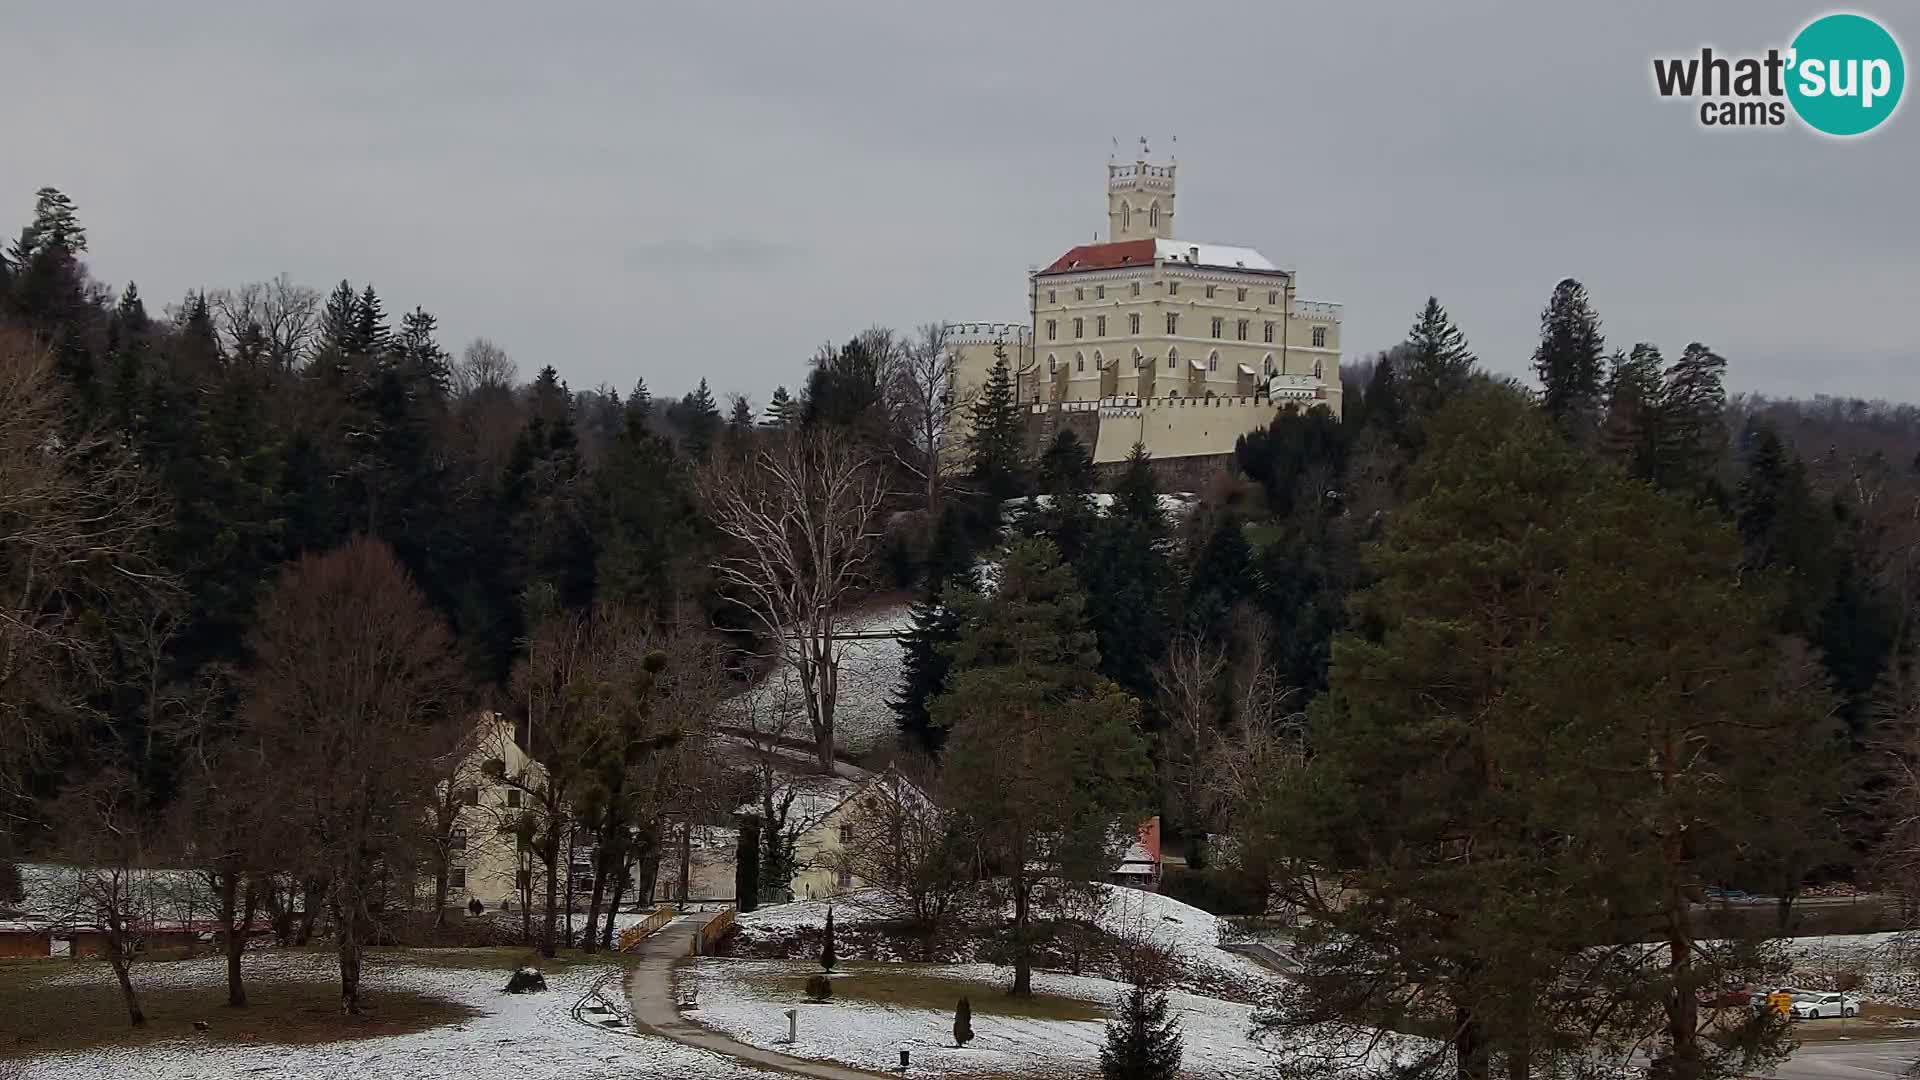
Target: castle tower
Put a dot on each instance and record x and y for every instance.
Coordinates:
(1139, 200)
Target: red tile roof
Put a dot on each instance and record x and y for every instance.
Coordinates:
(1104, 256)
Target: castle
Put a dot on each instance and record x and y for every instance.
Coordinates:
(1180, 346)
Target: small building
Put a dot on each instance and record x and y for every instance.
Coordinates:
(25, 939)
(1139, 867)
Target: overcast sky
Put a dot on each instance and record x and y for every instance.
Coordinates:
(681, 190)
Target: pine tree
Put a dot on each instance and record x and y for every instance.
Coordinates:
(924, 666)
(740, 419)
(1438, 362)
(1222, 575)
(701, 422)
(1143, 1041)
(1044, 762)
(1066, 478)
(1692, 438)
(1136, 498)
(337, 320)
(371, 335)
(55, 227)
(1630, 434)
(1384, 406)
(996, 441)
(640, 402)
(1065, 466)
(783, 411)
(1569, 358)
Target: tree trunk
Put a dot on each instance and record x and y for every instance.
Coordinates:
(1022, 956)
(550, 855)
(686, 861)
(572, 844)
(312, 892)
(440, 862)
(613, 906)
(122, 971)
(1469, 1050)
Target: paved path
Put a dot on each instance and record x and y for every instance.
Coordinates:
(1865, 1059)
(650, 989)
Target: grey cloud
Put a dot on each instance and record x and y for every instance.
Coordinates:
(742, 181)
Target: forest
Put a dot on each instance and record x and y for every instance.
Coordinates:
(1512, 667)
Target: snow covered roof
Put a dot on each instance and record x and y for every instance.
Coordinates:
(1144, 252)
(1194, 254)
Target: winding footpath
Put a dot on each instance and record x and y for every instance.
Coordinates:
(650, 990)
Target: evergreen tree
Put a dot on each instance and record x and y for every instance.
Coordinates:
(847, 388)
(1065, 466)
(55, 227)
(1222, 575)
(740, 419)
(645, 523)
(1143, 1042)
(1044, 764)
(1383, 406)
(639, 402)
(963, 1022)
(934, 629)
(700, 422)
(1296, 458)
(370, 335)
(1692, 427)
(1136, 498)
(783, 411)
(1631, 432)
(1437, 360)
(337, 319)
(996, 439)
(1066, 478)
(1569, 358)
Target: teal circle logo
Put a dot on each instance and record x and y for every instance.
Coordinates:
(1845, 74)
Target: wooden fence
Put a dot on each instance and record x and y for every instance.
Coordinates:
(716, 928)
(635, 934)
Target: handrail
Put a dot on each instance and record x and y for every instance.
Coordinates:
(716, 928)
(635, 934)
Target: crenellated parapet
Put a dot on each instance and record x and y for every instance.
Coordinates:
(988, 333)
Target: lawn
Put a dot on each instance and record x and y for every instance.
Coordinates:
(49, 1005)
(1874, 1022)
(898, 986)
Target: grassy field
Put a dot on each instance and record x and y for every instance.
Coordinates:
(900, 986)
(1874, 1022)
(54, 1005)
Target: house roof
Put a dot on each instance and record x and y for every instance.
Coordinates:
(1144, 252)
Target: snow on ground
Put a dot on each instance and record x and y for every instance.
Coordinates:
(869, 678)
(1219, 1040)
(525, 1037)
(1190, 934)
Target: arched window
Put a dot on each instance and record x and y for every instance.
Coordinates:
(1173, 359)
(1079, 361)
(1126, 216)
(1153, 216)
(1317, 370)
(1268, 365)
(1213, 361)
(1052, 365)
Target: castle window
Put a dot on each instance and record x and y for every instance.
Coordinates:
(1079, 292)
(1269, 333)
(1099, 292)
(1173, 359)
(1153, 216)
(1240, 295)
(1173, 322)
(1053, 365)
(456, 877)
(1273, 296)
(1268, 364)
(1173, 288)
(1209, 292)
(1319, 337)
(1079, 327)
(1100, 326)
(1242, 329)
(1050, 329)
(1213, 362)
(1049, 296)
(1317, 369)
(1126, 217)
(1218, 322)
(1079, 362)
(1133, 323)
(1136, 288)
(457, 839)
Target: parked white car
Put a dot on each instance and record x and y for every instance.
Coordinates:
(1820, 1005)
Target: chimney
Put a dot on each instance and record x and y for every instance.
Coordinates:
(1193, 254)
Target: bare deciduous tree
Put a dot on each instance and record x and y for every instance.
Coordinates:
(286, 314)
(801, 522)
(896, 843)
(484, 367)
(355, 691)
(927, 401)
(104, 888)
(76, 520)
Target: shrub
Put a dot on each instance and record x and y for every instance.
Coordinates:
(962, 1022)
(827, 956)
(819, 987)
